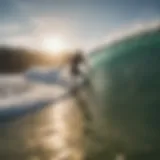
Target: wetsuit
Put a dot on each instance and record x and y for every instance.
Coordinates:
(76, 73)
(75, 61)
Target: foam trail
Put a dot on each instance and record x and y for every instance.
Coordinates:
(34, 96)
(17, 111)
(20, 96)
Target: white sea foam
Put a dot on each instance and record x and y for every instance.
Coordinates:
(17, 90)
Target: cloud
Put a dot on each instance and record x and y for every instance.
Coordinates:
(26, 23)
(83, 22)
(8, 29)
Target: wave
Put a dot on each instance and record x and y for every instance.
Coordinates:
(26, 93)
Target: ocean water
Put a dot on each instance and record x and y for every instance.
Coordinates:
(65, 130)
(54, 132)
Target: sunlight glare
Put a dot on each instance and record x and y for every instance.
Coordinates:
(54, 45)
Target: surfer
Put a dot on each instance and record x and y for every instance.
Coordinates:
(76, 60)
(77, 73)
(75, 69)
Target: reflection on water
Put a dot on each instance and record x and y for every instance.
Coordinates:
(53, 133)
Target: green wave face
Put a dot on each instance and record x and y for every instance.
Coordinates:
(125, 47)
(125, 76)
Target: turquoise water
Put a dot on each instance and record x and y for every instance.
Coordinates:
(126, 81)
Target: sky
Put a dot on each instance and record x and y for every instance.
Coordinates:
(82, 23)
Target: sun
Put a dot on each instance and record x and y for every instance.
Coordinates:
(54, 45)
